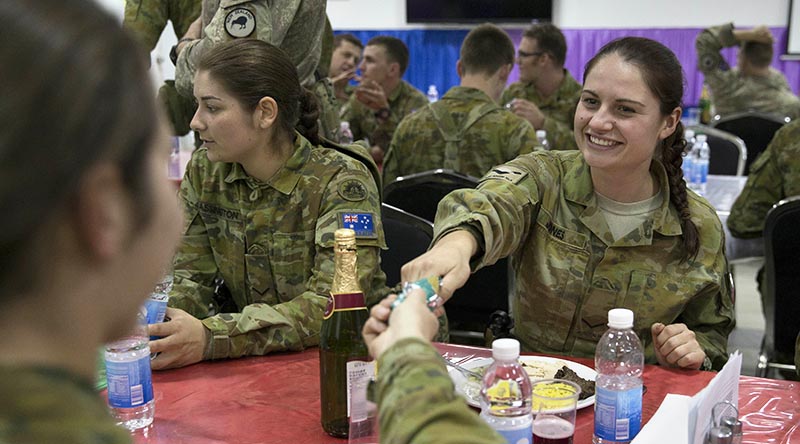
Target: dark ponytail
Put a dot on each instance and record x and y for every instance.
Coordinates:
(307, 124)
(663, 74)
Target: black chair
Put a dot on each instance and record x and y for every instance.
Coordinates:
(420, 193)
(728, 152)
(755, 128)
(781, 301)
(407, 236)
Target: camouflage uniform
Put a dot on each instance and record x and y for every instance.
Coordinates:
(481, 133)
(329, 123)
(49, 406)
(147, 18)
(570, 271)
(559, 109)
(733, 92)
(272, 243)
(404, 100)
(418, 403)
(296, 26)
(775, 175)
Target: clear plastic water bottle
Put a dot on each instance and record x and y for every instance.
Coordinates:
(688, 157)
(701, 164)
(619, 361)
(433, 94)
(130, 386)
(693, 177)
(156, 303)
(345, 133)
(506, 394)
(541, 140)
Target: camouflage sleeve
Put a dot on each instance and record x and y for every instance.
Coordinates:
(709, 314)
(182, 13)
(350, 112)
(417, 402)
(194, 265)
(522, 138)
(709, 60)
(763, 189)
(146, 19)
(560, 134)
(500, 210)
(384, 131)
(294, 325)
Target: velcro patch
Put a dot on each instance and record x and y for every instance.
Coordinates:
(240, 23)
(362, 223)
(353, 190)
(505, 172)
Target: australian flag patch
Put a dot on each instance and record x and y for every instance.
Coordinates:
(362, 223)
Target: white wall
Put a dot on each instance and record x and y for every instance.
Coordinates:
(390, 14)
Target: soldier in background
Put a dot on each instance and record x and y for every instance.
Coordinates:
(92, 221)
(775, 175)
(546, 94)
(383, 98)
(753, 85)
(346, 56)
(146, 19)
(610, 225)
(262, 200)
(466, 131)
(296, 26)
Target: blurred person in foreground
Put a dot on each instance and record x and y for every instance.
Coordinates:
(382, 99)
(753, 84)
(774, 176)
(610, 225)
(546, 94)
(262, 198)
(416, 398)
(466, 131)
(92, 220)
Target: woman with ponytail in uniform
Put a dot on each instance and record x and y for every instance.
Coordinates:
(261, 201)
(611, 225)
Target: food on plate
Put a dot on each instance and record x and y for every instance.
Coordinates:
(542, 369)
(587, 387)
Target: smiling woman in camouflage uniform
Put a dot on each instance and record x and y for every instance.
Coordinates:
(609, 226)
(262, 200)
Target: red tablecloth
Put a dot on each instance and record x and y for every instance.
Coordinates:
(275, 399)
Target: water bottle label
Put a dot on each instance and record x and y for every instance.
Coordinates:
(522, 435)
(129, 383)
(617, 414)
(156, 309)
(358, 374)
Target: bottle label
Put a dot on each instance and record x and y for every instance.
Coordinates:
(129, 383)
(358, 375)
(617, 414)
(520, 435)
(344, 302)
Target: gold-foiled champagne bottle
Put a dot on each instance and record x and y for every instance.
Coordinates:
(343, 356)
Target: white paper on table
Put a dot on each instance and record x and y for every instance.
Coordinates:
(724, 387)
(671, 419)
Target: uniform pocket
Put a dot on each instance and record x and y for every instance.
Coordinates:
(657, 297)
(292, 257)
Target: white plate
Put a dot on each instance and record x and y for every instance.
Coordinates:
(471, 391)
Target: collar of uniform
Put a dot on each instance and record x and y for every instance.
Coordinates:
(401, 87)
(467, 93)
(581, 191)
(286, 178)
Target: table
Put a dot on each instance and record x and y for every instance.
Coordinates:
(275, 399)
(721, 193)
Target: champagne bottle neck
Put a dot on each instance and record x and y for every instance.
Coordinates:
(345, 274)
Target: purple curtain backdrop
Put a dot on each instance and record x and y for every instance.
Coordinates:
(434, 53)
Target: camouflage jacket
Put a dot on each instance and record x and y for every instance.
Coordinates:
(732, 92)
(775, 175)
(296, 26)
(417, 402)
(53, 406)
(146, 19)
(542, 209)
(484, 135)
(404, 100)
(559, 109)
(272, 243)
